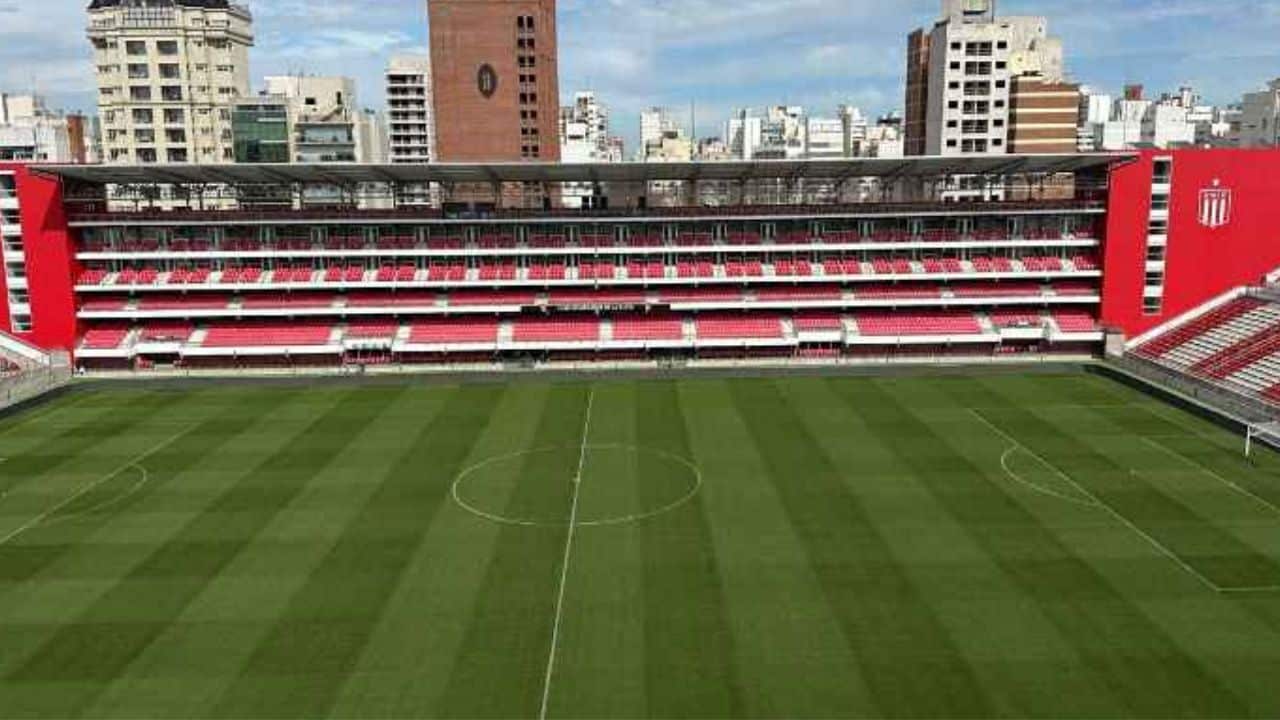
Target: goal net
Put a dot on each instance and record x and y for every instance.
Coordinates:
(1262, 434)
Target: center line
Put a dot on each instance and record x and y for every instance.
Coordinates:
(564, 566)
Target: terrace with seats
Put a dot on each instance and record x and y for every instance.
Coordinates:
(1235, 344)
(816, 270)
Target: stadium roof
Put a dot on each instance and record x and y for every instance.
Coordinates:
(347, 173)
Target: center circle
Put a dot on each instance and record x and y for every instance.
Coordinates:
(619, 485)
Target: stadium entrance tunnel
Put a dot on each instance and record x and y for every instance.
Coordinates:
(616, 485)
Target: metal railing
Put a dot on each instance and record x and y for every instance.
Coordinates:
(1218, 395)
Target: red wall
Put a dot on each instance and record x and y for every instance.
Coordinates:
(1201, 262)
(50, 259)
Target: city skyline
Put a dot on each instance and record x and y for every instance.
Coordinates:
(816, 53)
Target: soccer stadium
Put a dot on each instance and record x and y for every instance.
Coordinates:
(985, 436)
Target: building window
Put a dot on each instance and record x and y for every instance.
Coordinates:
(171, 93)
(1152, 305)
(167, 47)
(1155, 253)
(141, 93)
(146, 155)
(174, 116)
(139, 71)
(170, 71)
(135, 47)
(142, 116)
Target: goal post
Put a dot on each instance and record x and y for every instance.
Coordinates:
(1261, 433)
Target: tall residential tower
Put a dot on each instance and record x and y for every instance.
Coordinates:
(982, 84)
(169, 72)
(410, 111)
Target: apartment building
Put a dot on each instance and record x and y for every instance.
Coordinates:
(961, 80)
(326, 124)
(1259, 121)
(1043, 116)
(30, 131)
(410, 109)
(168, 74)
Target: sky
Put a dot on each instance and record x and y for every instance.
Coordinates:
(714, 54)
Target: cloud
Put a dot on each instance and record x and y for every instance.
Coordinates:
(719, 54)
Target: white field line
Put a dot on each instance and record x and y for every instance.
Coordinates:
(1034, 487)
(87, 487)
(1160, 547)
(564, 565)
(1197, 464)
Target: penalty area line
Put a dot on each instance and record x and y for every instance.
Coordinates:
(89, 486)
(1159, 546)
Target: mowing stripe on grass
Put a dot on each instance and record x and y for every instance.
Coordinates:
(509, 632)
(67, 445)
(93, 650)
(689, 653)
(1120, 645)
(331, 616)
(568, 556)
(1214, 553)
(853, 562)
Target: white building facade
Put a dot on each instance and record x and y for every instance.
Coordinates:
(974, 57)
(29, 131)
(325, 121)
(411, 123)
(168, 73)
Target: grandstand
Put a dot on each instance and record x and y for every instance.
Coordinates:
(1233, 343)
(712, 274)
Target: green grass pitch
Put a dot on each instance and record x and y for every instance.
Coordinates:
(1048, 545)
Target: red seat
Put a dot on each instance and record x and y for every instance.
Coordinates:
(706, 294)
(105, 337)
(729, 327)
(165, 332)
(262, 301)
(184, 302)
(1016, 318)
(596, 298)
(557, 329)
(1075, 321)
(648, 327)
(910, 291)
(453, 331)
(402, 298)
(922, 323)
(362, 329)
(268, 334)
(803, 292)
(497, 297)
(818, 321)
